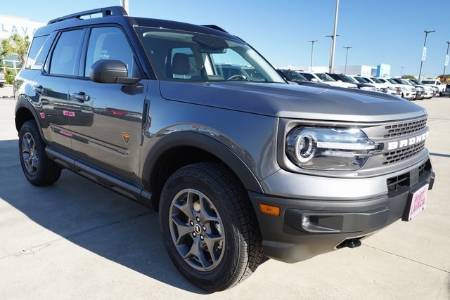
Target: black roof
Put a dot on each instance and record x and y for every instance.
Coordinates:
(117, 15)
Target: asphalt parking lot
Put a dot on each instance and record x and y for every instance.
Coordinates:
(79, 240)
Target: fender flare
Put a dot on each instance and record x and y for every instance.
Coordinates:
(207, 144)
(23, 103)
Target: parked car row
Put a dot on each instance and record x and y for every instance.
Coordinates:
(406, 88)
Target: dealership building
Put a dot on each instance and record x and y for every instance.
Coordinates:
(10, 25)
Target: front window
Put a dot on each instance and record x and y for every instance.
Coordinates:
(324, 77)
(376, 80)
(190, 56)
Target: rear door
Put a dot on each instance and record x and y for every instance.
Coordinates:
(108, 135)
(61, 69)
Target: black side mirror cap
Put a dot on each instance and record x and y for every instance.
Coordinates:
(111, 71)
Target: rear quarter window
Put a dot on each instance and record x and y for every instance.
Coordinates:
(38, 52)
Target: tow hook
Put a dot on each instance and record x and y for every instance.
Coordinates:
(351, 243)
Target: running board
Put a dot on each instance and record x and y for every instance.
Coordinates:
(106, 180)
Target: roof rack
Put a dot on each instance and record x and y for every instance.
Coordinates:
(105, 11)
(215, 27)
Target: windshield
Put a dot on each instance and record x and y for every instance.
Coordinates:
(293, 75)
(402, 81)
(341, 77)
(428, 81)
(324, 77)
(362, 79)
(377, 80)
(345, 78)
(308, 76)
(190, 56)
(392, 81)
(414, 81)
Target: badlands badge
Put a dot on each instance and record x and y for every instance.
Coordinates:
(125, 137)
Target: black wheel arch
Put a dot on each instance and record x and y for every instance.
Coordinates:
(26, 111)
(184, 143)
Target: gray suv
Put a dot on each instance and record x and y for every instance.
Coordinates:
(240, 164)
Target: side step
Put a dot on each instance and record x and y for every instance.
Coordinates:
(106, 180)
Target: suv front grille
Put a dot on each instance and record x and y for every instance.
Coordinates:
(404, 128)
(401, 154)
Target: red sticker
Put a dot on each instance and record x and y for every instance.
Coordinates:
(67, 113)
(42, 115)
(65, 133)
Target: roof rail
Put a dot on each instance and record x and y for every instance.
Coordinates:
(215, 27)
(105, 11)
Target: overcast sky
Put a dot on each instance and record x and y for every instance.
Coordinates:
(382, 31)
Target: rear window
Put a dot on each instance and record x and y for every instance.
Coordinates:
(66, 55)
(38, 52)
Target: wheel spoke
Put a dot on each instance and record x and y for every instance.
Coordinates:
(210, 243)
(186, 207)
(182, 229)
(25, 145)
(197, 252)
(205, 215)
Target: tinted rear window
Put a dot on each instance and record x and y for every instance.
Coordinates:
(66, 56)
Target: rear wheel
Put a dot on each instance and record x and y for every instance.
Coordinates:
(208, 226)
(36, 166)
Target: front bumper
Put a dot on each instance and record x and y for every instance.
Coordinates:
(309, 227)
(409, 95)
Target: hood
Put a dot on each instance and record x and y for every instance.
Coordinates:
(293, 101)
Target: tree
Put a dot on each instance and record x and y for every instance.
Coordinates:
(409, 77)
(15, 44)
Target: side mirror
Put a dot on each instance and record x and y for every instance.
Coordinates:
(111, 71)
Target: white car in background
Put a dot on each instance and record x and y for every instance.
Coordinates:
(436, 83)
(2, 79)
(386, 86)
(326, 79)
(428, 90)
(407, 90)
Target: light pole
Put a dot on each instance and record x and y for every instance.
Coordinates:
(346, 57)
(424, 51)
(333, 44)
(125, 5)
(446, 58)
(312, 52)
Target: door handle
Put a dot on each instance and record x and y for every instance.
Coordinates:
(81, 96)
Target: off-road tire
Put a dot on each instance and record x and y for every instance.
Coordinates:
(243, 251)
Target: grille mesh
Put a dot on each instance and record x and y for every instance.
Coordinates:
(404, 128)
(401, 154)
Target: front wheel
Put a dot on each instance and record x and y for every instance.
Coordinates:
(209, 227)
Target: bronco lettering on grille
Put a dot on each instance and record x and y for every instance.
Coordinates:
(407, 142)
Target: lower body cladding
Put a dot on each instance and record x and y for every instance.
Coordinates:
(306, 228)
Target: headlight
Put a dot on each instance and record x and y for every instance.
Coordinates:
(329, 148)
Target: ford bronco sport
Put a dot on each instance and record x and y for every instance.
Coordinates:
(192, 120)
